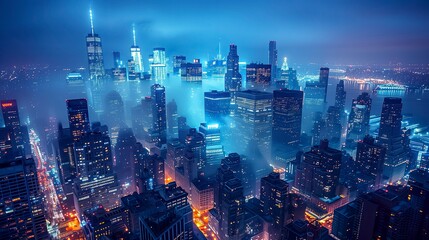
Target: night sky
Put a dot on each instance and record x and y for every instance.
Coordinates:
(322, 32)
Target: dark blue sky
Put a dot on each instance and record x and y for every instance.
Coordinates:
(322, 32)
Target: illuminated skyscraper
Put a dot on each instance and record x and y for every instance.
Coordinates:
(231, 210)
(358, 123)
(258, 75)
(159, 64)
(159, 113)
(318, 173)
(287, 78)
(254, 123)
(195, 142)
(17, 133)
(272, 59)
(390, 137)
(214, 148)
(232, 76)
(95, 53)
(287, 117)
(274, 199)
(369, 162)
(192, 72)
(78, 117)
(136, 54)
(21, 204)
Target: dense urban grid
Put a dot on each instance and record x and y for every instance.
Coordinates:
(217, 149)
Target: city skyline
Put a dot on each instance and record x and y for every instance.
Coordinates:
(333, 32)
(158, 141)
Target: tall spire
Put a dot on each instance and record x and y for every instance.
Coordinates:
(134, 35)
(92, 22)
(285, 66)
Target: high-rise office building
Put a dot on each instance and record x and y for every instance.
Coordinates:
(333, 126)
(369, 162)
(318, 173)
(287, 116)
(195, 142)
(114, 110)
(358, 123)
(254, 122)
(418, 196)
(274, 197)
(159, 64)
(340, 97)
(192, 71)
(217, 107)
(78, 117)
(124, 156)
(287, 79)
(324, 79)
(136, 55)
(214, 149)
(258, 75)
(21, 203)
(232, 76)
(95, 184)
(95, 53)
(231, 210)
(390, 137)
(177, 63)
(159, 115)
(272, 59)
(172, 119)
(14, 131)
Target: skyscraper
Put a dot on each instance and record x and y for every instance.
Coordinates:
(358, 123)
(177, 63)
(274, 199)
(272, 59)
(214, 149)
(192, 71)
(195, 142)
(172, 119)
(159, 115)
(232, 76)
(287, 116)
(95, 53)
(136, 55)
(17, 133)
(390, 137)
(258, 75)
(78, 117)
(369, 162)
(254, 122)
(21, 204)
(217, 107)
(340, 97)
(231, 210)
(318, 173)
(159, 64)
(323, 80)
(333, 126)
